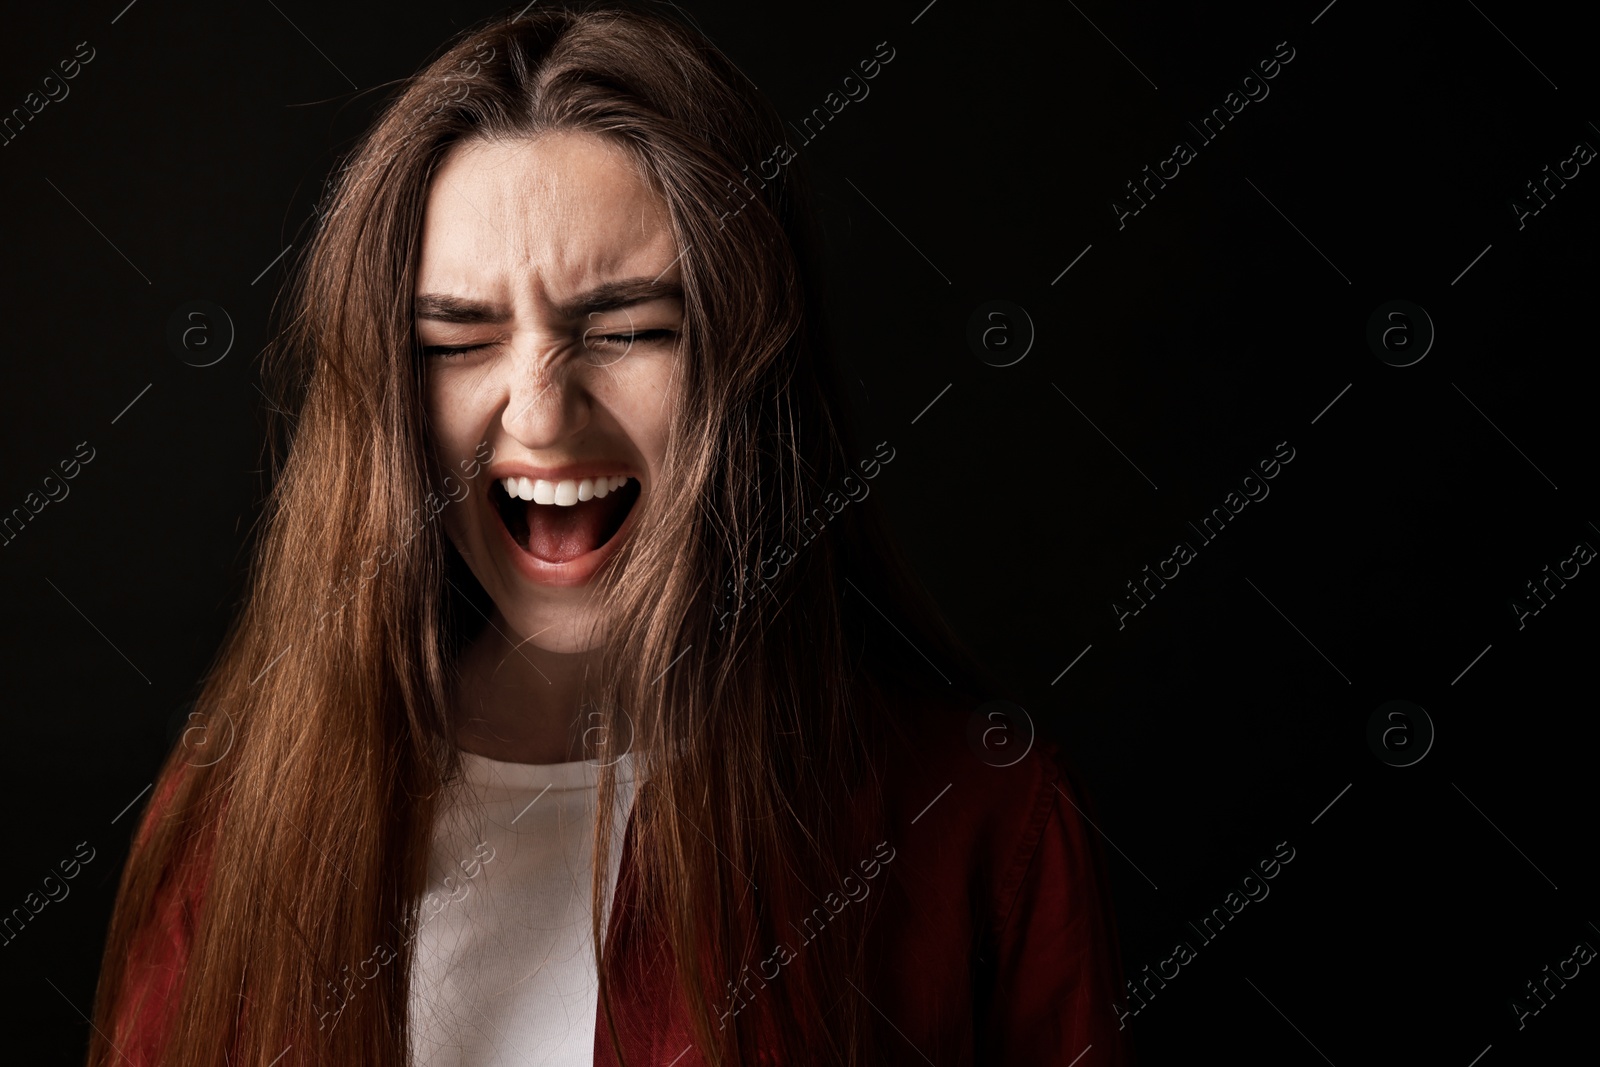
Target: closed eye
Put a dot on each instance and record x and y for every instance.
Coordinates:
(612, 340)
(608, 341)
(448, 351)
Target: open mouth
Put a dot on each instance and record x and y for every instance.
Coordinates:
(558, 522)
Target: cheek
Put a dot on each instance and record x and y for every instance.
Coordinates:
(451, 426)
(453, 436)
(453, 520)
(643, 399)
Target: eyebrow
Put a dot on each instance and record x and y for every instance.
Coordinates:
(609, 296)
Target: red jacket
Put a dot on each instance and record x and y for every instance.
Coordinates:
(994, 945)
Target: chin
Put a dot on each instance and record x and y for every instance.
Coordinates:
(553, 628)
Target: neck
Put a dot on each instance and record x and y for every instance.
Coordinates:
(517, 702)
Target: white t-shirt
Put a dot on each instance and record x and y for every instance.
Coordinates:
(504, 964)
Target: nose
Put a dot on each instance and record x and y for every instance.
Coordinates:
(546, 401)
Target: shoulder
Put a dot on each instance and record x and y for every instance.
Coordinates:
(171, 873)
(971, 791)
(993, 930)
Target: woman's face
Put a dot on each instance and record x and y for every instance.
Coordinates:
(549, 309)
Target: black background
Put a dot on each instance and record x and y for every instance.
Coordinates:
(1222, 319)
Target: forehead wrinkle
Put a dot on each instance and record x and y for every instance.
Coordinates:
(543, 224)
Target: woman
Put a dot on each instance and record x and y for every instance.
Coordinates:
(565, 503)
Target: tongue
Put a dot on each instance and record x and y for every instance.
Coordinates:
(558, 534)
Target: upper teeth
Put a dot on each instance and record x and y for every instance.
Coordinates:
(565, 492)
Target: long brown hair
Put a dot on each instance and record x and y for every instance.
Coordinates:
(311, 834)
